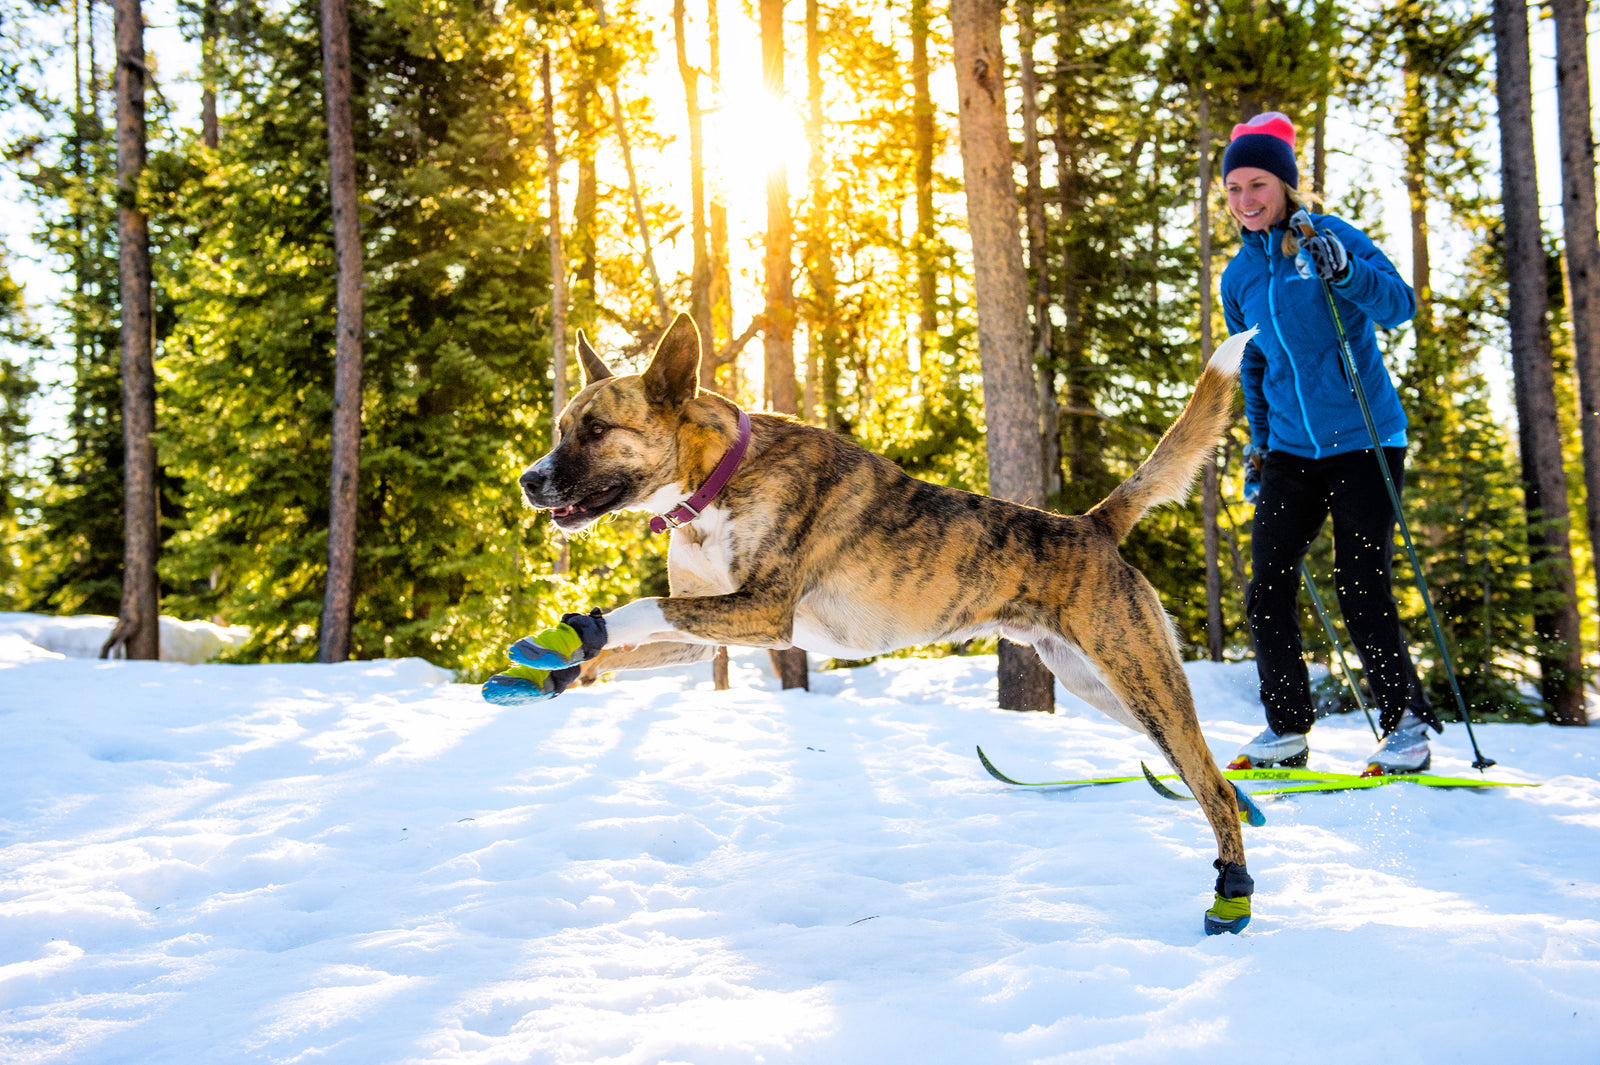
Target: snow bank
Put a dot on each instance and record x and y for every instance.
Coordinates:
(83, 635)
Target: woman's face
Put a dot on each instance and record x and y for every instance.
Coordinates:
(1255, 198)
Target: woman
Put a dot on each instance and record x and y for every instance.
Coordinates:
(1310, 451)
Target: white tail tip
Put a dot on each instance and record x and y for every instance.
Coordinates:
(1228, 354)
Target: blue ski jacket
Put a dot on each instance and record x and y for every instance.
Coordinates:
(1296, 394)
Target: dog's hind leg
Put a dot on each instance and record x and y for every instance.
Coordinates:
(1131, 645)
(1079, 676)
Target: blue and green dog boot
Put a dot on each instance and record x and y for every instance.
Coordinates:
(577, 639)
(546, 663)
(1231, 910)
(524, 684)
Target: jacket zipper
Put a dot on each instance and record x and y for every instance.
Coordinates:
(1272, 311)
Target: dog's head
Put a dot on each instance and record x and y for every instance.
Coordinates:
(618, 443)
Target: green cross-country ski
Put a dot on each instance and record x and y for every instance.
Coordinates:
(1302, 780)
(1231, 774)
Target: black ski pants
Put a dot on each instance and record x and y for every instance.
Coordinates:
(1297, 497)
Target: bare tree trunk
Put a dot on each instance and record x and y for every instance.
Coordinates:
(1081, 460)
(208, 74)
(1038, 260)
(1211, 487)
(1582, 240)
(556, 244)
(137, 633)
(779, 316)
(700, 275)
(721, 277)
(1319, 148)
(700, 271)
(1544, 478)
(778, 334)
(585, 202)
(1415, 135)
(338, 604)
(1010, 397)
(823, 358)
(922, 136)
(558, 254)
(619, 118)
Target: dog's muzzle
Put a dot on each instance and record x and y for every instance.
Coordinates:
(535, 484)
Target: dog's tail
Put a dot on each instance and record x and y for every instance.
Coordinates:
(1168, 473)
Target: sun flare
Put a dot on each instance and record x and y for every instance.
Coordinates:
(752, 136)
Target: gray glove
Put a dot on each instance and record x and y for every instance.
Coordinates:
(1321, 255)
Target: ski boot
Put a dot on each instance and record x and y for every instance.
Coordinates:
(1403, 750)
(1272, 749)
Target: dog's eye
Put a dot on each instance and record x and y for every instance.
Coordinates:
(597, 431)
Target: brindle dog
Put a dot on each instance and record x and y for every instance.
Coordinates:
(819, 544)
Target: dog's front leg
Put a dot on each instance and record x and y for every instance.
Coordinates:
(545, 664)
(644, 656)
(743, 618)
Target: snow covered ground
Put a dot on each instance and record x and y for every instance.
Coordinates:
(365, 863)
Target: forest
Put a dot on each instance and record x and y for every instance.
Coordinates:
(319, 273)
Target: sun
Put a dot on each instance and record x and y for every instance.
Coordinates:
(751, 137)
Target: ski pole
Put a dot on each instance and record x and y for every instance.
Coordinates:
(1344, 664)
(1482, 762)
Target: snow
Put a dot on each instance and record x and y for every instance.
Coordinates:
(83, 636)
(367, 863)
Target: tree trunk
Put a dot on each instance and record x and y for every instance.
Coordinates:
(700, 271)
(1319, 148)
(824, 354)
(208, 73)
(1544, 478)
(1211, 487)
(619, 118)
(1010, 397)
(585, 202)
(700, 275)
(922, 137)
(1415, 136)
(137, 633)
(1582, 240)
(1038, 260)
(778, 333)
(779, 317)
(338, 604)
(555, 242)
(558, 255)
(1081, 460)
(721, 276)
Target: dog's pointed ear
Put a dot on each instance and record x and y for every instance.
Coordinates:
(673, 374)
(593, 368)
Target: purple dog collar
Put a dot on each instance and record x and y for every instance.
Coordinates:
(690, 509)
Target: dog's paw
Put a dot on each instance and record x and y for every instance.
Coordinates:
(577, 639)
(525, 684)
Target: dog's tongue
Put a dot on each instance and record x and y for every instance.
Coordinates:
(562, 512)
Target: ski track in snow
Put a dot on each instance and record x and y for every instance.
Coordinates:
(365, 863)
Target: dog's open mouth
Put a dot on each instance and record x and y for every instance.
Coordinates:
(589, 507)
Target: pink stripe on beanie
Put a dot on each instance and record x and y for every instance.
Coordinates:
(1274, 122)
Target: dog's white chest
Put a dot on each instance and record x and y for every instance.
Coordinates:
(700, 556)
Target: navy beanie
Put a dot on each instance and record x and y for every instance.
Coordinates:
(1266, 142)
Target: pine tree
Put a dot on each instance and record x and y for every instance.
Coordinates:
(1543, 473)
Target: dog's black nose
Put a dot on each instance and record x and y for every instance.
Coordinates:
(532, 480)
